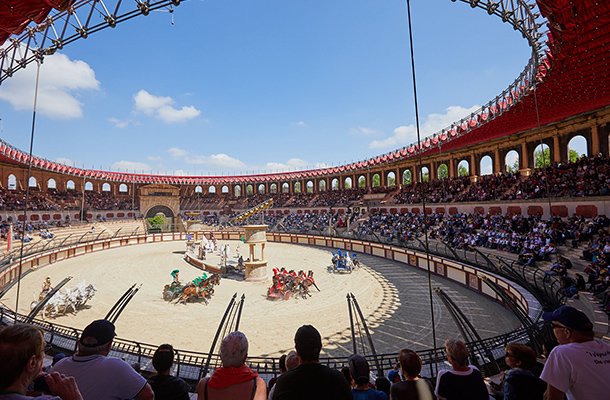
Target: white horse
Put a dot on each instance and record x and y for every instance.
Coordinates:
(67, 301)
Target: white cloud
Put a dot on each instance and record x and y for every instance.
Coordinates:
(176, 152)
(362, 130)
(61, 80)
(131, 166)
(65, 161)
(162, 107)
(154, 158)
(217, 161)
(407, 134)
(300, 124)
(120, 123)
(294, 164)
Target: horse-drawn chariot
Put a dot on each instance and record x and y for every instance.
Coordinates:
(288, 283)
(343, 263)
(201, 288)
(66, 301)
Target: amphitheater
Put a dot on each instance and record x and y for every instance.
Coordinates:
(101, 220)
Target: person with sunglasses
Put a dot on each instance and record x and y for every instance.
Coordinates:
(521, 381)
(579, 367)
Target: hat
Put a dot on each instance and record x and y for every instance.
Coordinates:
(174, 272)
(97, 333)
(393, 374)
(359, 369)
(570, 318)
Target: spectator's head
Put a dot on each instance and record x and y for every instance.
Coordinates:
(282, 363)
(308, 343)
(22, 353)
(394, 376)
(96, 338)
(382, 383)
(292, 360)
(410, 363)
(234, 349)
(520, 355)
(163, 359)
(347, 375)
(569, 325)
(359, 369)
(457, 352)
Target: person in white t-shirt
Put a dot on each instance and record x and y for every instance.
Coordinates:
(579, 367)
(98, 376)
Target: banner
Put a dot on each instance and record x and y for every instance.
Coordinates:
(9, 239)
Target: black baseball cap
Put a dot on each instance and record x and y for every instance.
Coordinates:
(569, 317)
(97, 333)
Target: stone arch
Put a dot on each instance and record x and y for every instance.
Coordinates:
(442, 172)
(424, 175)
(334, 184)
(322, 185)
(512, 161)
(32, 182)
(376, 181)
(12, 182)
(236, 190)
(88, 186)
(463, 168)
(198, 189)
(391, 179)
(347, 183)
(70, 185)
(160, 210)
(285, 187)
(51, 184)
(407, 177)
(542, 155)
(261, 189)
(362, 182)
(249, 190)
(309, 187)
(486, 165)
(106, 187)
(123, 188)
(578, 146)
(273, 188)
(297, 187)
(212, 189)
(224, 189)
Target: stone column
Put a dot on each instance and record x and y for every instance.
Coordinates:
(556, 149)
(594, 140)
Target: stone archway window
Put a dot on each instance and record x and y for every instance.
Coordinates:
(123, 188)
(88, 187)
(211, 190)
(236, 191)
(391, 179)
(577, 148)
(486, 166)
(334, 184)
(512, 161)
(261, 189)
(407, 177)
(542, 156)
(463, 168)
(105, 187)
(376, 180)
(322, 185)
(362, 182)
(347, 184)
(425, 174)
(297, 187)
(249, 190)
(273, 188)
(12, 182)
(32, 182)
(51, 184)
(198, 189)
(285, 187)
(442, 171)
(309, 187)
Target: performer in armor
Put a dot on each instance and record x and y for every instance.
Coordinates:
(176, 275)
(46, 288)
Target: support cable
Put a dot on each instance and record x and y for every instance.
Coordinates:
(420, 159)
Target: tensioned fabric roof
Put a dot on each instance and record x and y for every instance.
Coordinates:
(574, 76)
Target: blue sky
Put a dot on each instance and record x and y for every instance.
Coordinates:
(244, 86)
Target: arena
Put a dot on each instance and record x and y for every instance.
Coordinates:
(476, 235)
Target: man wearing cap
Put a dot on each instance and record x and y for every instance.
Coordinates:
(361, 374)
(311, 380)
(98, 376)
(579, 367)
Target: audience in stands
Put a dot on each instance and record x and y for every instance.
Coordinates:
(311, 380)
(22, 354)
(361, 380)
(91, 363)
(522, 380)
(164, 385)
(462, 381)
(579, 367)
(234, 380)
(413, 387)
(290, 362)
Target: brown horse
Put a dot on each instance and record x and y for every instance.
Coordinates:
(203, 291)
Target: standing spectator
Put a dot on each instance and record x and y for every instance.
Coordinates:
(98, 376)
(361, 374)
(234, 380)
(22, 353)
(521, 382)
(462, 381)
(413, 387)
(579, 367)
(166, 386)
(311, 380)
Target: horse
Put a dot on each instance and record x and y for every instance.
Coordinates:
(204, 290)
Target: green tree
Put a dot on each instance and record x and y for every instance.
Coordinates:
(425, 175)
(376, 180)
(573, 155)
(362, 182)
(462, 170)
(443, 171)
(542, 158)
(347, 184)
(407, 179)
(391, 181)
(156, 222)
(513, 168)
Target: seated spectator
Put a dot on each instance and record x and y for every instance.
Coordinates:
(463, 381)
(413, 387)
(291, 361)
(91, 362)
(521, 382)
(166, 386)
(361, 375)
(22, 353)
(234, 380)
(311, 380)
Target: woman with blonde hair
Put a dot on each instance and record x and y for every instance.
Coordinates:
(462, 381)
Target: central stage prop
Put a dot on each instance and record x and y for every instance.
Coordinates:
(256, 268)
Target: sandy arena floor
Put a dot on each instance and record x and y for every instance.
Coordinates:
(269, 325)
